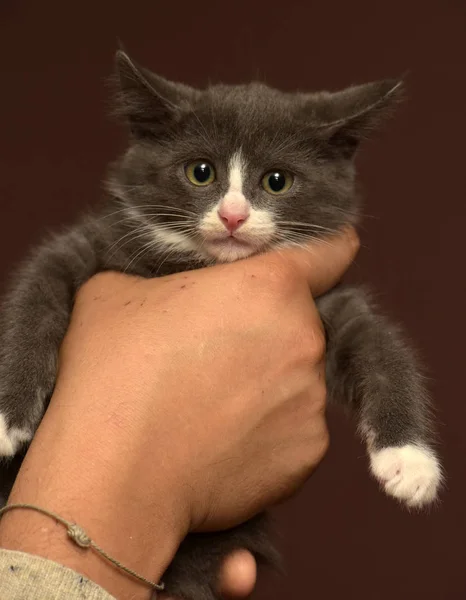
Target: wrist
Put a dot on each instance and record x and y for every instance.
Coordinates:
(99, 488)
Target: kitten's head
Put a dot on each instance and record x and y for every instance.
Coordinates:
(229, 171)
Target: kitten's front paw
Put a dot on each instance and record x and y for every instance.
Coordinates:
(410, 473)
(11, 439)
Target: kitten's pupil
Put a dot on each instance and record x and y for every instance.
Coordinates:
(202, 172)
(277, 181)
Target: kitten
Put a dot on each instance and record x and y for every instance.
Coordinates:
(215, 176)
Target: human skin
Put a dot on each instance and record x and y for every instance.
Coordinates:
(173, 412)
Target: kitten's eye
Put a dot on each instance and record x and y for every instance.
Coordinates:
(277, 182)
(200, 173)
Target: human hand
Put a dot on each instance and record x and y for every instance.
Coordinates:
(217, 413)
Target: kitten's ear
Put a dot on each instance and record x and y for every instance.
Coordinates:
(347, 117)
(147, 101)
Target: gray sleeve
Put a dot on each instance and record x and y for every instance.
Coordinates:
(36, 578)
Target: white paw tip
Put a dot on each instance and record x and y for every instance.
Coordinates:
(409, 473)
(11, 439)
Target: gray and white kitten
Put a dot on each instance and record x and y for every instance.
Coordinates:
(215, 176)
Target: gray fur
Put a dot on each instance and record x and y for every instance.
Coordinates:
(370, 368)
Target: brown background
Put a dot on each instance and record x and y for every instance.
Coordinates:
(342, 538)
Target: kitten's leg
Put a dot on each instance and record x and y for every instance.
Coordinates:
(373, 370)
(33, 320)
(193, 574)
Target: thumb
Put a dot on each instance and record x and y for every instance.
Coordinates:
(324, 262)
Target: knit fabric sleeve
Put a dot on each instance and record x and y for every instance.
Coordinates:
(28, 577)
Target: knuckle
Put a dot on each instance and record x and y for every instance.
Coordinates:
(354, 241)
(314, 345)
(319, 398)
(322, 445)
(307, 455)
(316, 452)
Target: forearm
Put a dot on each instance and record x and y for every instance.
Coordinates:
(72, 477)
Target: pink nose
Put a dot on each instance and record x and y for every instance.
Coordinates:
(232, 220)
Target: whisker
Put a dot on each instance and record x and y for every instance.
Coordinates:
(288, 141)
(178, 216)
(301, 238)
(154, 243)
(115, 212)
(305, 236)
(203, 133)
(146, 229)
(149, 207)
(128, 241)
(297, 224)
(303, 224)
(130, 218)
(144, 250)
(170, 252)
(168, 207)
(173, 226)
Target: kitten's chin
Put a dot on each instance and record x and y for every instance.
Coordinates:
(229, 249)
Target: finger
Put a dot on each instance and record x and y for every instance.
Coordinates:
(238, 575)
(324, 262)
